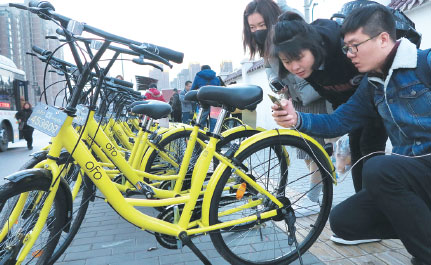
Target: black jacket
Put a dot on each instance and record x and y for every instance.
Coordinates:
(175, 103)
(23, 115)
(339, 78)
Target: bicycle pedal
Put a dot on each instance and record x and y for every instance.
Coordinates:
(145, 189)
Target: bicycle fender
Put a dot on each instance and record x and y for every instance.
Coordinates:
(39, 154)
(240, 128)
(174, 130)
(64, 155)
(209, 192)
(37, 173)
(276, 132)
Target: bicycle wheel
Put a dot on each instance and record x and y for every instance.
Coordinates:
(266, 241)
(33, 195)
(80, 203)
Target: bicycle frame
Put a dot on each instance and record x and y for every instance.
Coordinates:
(67, 138)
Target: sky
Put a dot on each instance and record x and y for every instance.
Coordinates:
(206, 31)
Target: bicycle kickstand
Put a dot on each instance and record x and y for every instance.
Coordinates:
(290, 219)
(188, 242)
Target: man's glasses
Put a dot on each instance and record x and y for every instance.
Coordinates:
(353, 49)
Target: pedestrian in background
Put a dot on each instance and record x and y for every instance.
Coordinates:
(176, 106)
(154, 93)
(186, 106)
(205, 77)
(22, 117)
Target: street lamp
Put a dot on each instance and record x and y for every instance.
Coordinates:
(312, 11)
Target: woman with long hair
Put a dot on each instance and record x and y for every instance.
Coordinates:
(259, 18)
(22, 117)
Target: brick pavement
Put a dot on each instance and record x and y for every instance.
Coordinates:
(105, 238)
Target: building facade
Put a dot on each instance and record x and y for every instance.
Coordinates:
(162, 77)
(226, 67)
(194, 68)
(19, 31)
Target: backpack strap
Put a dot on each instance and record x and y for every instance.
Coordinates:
(423, 69)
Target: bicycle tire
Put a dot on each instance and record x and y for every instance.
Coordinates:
(265, 252)
(78, 215)
(50, 234)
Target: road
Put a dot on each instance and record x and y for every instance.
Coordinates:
(17, 154)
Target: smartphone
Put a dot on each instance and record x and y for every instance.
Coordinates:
(276, 85)
(275, 100)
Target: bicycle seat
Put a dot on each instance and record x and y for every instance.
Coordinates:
(138, 103)
(154, 109)
(235, 96)
(191, 96)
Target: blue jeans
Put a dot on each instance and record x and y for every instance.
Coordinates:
(204, 118)
(187, 116)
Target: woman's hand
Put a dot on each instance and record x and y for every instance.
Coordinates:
(285, 115)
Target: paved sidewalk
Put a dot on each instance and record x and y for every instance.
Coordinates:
(391, 252)
(105, 238)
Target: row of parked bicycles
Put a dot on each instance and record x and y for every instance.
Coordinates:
(243, 186)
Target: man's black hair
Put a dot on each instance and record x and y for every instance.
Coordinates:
(187, 82)
(204, 67)
(152, 85)
(373, 19)
(291, 36)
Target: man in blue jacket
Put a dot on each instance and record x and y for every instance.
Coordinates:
(396, 199)
(186, 106)
(205, 77)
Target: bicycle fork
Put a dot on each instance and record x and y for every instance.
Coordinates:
(29, 239)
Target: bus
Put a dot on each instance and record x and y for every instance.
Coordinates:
(13, 92)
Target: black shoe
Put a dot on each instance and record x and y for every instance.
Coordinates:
(30, 147)
(415, 261)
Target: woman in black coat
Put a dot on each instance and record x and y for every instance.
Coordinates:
(314, 52)
(22, 117)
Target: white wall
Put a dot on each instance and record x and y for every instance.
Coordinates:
(421, 17)
(263, 111)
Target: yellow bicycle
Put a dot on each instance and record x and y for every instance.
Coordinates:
(249, 206)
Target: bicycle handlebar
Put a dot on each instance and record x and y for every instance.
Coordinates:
(40, 50)
(44, 8)
(44, 52)
(122, 82)
(138, 52)
(19, 6)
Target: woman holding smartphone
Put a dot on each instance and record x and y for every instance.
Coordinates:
(259, 18)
